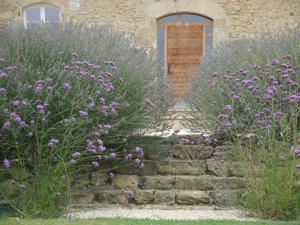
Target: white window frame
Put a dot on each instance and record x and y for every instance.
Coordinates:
(42, 8)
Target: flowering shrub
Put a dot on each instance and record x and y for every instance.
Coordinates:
(63, 115)
(257, 107)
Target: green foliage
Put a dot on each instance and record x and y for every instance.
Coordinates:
(71, 98)
(248, 91)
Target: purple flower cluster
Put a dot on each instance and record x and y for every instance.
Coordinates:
(252, 92)
(53, 142)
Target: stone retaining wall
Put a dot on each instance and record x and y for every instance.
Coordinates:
(174, 174)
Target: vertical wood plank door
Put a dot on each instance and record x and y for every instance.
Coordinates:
(184, 48)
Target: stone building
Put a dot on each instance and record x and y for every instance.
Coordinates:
(181, 29)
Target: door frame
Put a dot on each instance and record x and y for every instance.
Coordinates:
(178, 15)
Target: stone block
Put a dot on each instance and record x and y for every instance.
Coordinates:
(130, 182)
(192, 151)
(217, 167)
(164, 197)
(182, 167)
(82, 198)
(158, 182)
(151, 168)
(144, 196)
(158, 152)
(201, 183)
(192, 197)
(225, 148)
(225, 198)
(113, 196)
(228, 156)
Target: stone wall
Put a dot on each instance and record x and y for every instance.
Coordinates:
(232, 18)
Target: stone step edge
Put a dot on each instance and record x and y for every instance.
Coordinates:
(156, 197)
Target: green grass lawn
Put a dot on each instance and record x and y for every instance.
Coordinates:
(12, 221)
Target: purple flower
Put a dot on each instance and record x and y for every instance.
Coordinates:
(67, 86)
(111, 175)
(101, 148)
(298, 166)
(137, 161)
(275, 62)
(95, 164)
(128, 157)
(256, 67)
(7, 163)
(83, 114)
(113, 155)
(222, 116)
(279, 115)
(185, 141)
(294, 97)
(138, 149)
(229, 108)
(6, 125)
(235, 97)
(76, 154)
(53, 142)
(247, 82)
(10, 68)
(18, 119)
(2, 90)
(40, 107)
(2, 74)
(38, 88)
(297, 153)
(106, 128)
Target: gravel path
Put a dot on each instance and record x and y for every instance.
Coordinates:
(158, 213)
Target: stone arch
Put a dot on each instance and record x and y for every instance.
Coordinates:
(205, 8)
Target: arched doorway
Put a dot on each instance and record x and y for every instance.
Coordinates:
(182, 40)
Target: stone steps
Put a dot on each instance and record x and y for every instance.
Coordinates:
(158, 197)
(174, 174)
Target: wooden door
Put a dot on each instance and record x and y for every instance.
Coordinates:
(184, 48)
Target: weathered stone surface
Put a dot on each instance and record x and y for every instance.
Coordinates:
(217, 167)
(144, 196)
(182, 167)
(225, 198)
(127, 182)
(228, 156)
(158, 182)
(192, 197)
(202, 183)
(151, 168)
(232, 19)
(164, 197)
(158, 152)
(113, 196)
(225, 148)
(82, 197)
(192, 151)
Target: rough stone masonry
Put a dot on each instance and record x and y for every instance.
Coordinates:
(231, 18)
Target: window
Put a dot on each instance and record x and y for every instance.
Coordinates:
(41, 13)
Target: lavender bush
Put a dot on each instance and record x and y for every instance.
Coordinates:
(249, 92)
(71, 97)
